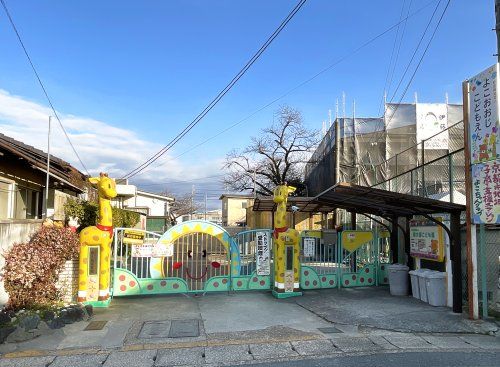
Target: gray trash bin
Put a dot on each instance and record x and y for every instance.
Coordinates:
(414, 283)
(436, 288)
(398, 279)
(422, 283)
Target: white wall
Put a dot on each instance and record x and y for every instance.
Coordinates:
(157, 207)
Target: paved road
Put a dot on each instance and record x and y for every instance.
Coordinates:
(408, 359)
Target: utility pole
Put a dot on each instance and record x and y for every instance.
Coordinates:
(192, 203)
(254, 184)
(205, 206)
(497, 27)
(47, 179)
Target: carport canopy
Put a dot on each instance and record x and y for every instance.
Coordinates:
(363, 200)
(390, 206)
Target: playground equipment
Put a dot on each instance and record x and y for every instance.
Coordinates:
(286, 249)
(95, 248)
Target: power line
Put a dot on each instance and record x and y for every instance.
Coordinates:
(41, 84)
(290, 91)
(221, 94)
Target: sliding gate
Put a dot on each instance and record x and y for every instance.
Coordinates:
(199, 256)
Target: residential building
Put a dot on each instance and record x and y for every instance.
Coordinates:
(155, 207)
(23, 174)
(214, 216)
(234, 209)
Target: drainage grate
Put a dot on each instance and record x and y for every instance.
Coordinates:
(95, 325)
(184, 328)
(329, 330)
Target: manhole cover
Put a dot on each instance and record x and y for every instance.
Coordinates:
(155, 329)
(95, 325)
(184, 328)
(329, 330)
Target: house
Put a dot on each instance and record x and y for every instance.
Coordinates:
(23, 174)
(214, 216)
(234, 209)
(154, 207)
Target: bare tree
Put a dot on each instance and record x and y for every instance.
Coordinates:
(183, 205)
(277, 156)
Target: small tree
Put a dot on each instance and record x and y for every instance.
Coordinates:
(182, 205)
(277, 156)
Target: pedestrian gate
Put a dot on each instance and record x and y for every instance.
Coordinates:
(199, 256)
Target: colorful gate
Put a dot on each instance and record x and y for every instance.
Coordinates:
(194, 256)
(199, 256)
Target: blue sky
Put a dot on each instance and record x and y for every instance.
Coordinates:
(147, 68)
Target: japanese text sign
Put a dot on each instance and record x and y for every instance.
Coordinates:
(263, 254)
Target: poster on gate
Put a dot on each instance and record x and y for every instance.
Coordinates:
(484, 116)
(144, 250)
(309, 246)
(486, 193)
(263, 256)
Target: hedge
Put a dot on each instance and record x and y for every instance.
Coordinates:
(87, 214)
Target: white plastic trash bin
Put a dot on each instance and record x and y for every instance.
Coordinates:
(414, 283)
(436, 288)
(422, 283)
(398, 279)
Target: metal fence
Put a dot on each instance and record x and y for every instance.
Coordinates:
(425, 171)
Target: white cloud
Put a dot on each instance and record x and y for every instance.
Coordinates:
(101, 146)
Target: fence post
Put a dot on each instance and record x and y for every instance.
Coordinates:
(482, 254)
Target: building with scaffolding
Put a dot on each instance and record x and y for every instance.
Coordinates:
(372, 151)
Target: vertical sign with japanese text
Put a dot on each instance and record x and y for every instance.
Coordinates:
(484, 146)
(263, 257)
(483, 116)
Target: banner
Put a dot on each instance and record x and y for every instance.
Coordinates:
(426, 240)
(263, 254)
(432, 119)
(483, 116)
(486, 193)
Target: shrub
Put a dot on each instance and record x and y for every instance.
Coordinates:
(87, 212)
(32, 268)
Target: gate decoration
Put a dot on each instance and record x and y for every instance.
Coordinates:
(95, 248)
(358, 259)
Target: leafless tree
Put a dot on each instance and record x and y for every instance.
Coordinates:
(277, 156)
(183, 205)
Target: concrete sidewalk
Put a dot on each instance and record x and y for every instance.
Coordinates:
(253, 326)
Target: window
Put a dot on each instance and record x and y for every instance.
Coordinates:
(5, 199)
(244, 205)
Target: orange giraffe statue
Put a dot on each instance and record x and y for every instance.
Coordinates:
(94, 275)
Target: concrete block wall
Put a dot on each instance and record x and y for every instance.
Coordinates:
(68, 281)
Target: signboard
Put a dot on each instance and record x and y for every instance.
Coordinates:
(309, 246)
(483, 116)
(263, 255)
(163, 249)
(144, 250)
(432, 119)
(426, 240)
(289, 280)
(131, 237)
(486, 193)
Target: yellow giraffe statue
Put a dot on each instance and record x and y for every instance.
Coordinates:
(286, 248)
(95, 246)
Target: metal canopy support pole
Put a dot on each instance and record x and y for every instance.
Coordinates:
(394, 239)
(410, 261)
(456, 261)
